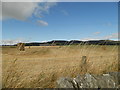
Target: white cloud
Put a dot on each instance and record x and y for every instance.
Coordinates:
(112, 36)
(42, 23)
(12, 42)
(60, 0)
(44, 41)
(24, 10)
(96, 33)
(65, 12)
(43, 8)
(29, 0)
(17, 10)
(108, 24)
(87, 39)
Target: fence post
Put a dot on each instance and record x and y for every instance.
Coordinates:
(83, 65)
(84, 59)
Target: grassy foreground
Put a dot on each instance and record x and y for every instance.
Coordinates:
(41, 66)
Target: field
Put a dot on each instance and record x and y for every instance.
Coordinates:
(41, 66)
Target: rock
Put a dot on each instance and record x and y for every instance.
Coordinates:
(106, 81)
(91, 81)
(116, 76)
(81, 82)
(65, 83)
(109, 80)
(86, 81)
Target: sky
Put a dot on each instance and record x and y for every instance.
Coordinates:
(46, 21)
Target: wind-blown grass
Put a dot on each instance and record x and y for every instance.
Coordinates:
(41, 66)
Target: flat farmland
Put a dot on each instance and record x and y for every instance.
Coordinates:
(41, 66)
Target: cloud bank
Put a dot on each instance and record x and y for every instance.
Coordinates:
(113, 36)
(24, 10)
(12, 42)
(18, 10)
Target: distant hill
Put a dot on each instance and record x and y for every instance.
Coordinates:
(73, 42)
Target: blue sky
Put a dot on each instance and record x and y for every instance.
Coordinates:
(61, 21)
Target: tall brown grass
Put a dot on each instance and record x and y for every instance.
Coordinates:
(40, 67)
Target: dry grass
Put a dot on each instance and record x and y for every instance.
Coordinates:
(40, 67)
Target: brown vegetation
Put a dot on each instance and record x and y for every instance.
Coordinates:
(41, 66)
(21, 46)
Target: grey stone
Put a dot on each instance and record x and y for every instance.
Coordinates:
(81, 82)
(106, 81)
(116, 76)
(65, 83)
(92, 82)
(109, 80)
